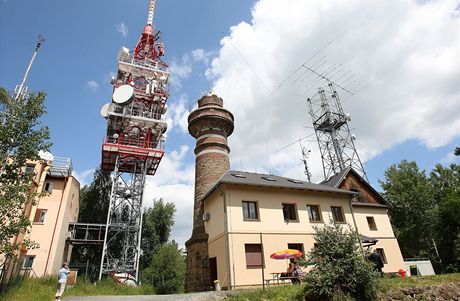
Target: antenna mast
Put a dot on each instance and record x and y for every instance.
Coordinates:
(305, 155)
(21, 89)
(335, 140)
(133, 147)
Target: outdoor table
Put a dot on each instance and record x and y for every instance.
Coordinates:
(276, 277)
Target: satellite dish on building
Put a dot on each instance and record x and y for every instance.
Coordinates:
(165, 108)
(123, 95)
(105, 110)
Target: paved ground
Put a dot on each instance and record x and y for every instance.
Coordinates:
(204, 296)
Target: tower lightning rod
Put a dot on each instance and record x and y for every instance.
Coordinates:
(151, 12)
(20, 90)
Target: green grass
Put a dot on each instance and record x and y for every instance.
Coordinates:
(387, 284)
(43, 289)
(294, 292)
(276, 293)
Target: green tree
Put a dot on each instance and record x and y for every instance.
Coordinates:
(94, 206)
(446, 187)
(157, 223)
(22, 136)
(339, 267)
(166, 272)
(412, 210)
(95, 199)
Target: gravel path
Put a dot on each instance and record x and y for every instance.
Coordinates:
(203, 296)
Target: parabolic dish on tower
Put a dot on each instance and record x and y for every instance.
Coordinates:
(105, 110)
(123, 95)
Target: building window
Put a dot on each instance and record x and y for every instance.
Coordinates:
(371, 223)
(40, 215)
(28, 262)
(337, 214)
(253, 255)
(48, 187)
(314, 213)
(30, 169)
(382, 254)
(298, 247)
(289, 212)
(250, 211)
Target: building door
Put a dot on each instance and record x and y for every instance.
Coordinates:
(212, 270)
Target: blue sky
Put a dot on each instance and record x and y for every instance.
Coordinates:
(404, 52)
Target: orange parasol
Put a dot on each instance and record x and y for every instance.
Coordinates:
(286, 254)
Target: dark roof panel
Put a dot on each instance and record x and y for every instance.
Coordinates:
(264, 180)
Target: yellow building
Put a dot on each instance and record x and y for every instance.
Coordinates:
(50, 217)
(249, 216)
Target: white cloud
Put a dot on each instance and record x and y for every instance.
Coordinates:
(408, 53)
(84, 177)
(92, 86)
(449, 158)
(177, 114)
(200, 55)
(174, 182)
(181, 69)
(123, 29)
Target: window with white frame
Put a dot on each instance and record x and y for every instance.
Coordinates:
(28, 262)
(29, 169)
(48, 187)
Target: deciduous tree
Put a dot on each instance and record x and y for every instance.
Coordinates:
(156, 228)
(412, 210)
(94, 205)
(22, 136)
(446, 187)
(166, 272)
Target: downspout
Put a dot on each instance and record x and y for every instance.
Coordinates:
(227, 246)
(356, 227)
(66, 179)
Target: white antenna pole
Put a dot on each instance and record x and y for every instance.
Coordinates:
(151, 12)
(21, 89)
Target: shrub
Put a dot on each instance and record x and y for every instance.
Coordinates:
(339, 270)
(166, 272)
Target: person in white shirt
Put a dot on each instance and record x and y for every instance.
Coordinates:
(62, 279)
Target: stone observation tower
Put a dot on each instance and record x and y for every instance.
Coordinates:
(210, 124)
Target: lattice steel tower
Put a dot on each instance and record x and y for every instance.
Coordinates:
(336, 143)
(133, 147)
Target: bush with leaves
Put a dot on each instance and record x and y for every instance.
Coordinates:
(339, 270)
(166, 272)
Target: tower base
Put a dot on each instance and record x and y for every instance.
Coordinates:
(198, 276)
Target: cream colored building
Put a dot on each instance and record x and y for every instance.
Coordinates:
(249, 216)
(50, 217)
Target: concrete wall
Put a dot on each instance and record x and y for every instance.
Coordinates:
(62, 206)
(275, 233)
(384, 234)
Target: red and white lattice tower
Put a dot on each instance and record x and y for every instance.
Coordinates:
(133, 147)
